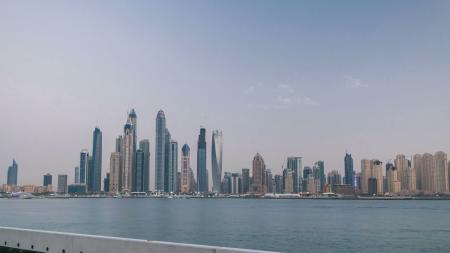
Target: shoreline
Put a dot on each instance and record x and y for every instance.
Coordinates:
(243, 198)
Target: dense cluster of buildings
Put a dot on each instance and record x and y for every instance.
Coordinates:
(129, 171)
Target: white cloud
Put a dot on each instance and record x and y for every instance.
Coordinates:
(286, 87)
(355, 83)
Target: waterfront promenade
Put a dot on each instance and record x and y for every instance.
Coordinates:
(28, 240)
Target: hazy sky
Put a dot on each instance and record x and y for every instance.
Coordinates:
(303, 78)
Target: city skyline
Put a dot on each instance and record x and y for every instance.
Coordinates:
(367, 78)
(129, 170)
(85, 159)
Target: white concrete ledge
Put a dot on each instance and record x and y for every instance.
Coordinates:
(57, 242)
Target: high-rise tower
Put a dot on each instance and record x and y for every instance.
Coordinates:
(202, 174)
(173, 166)
(246, 180)
(349, 176)
(418, 168)
(115, 185)
(320, 168)
(295, 165)
(132, 116)
(167, 161)
(95, 171)
(160, 150)
(372, 170)
(185, 169)
(258, 176)
(144, 145)
(84, 166)
(440, 167)
(115, 165)
(12, 173)
(428, 172)
(127, 157)
(47, 179)
(138, 176)
(406, 174)
(216, 159)
(62, 184)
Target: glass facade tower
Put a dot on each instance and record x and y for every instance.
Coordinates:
(216, 160)
(202, 174)
(160, 150)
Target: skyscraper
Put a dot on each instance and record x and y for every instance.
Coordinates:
(144, 145)
(84, 166)
(47, 179)
(428, 173)
(245, 180)
(114, 172)
(95, 172)
(288, 179)
(216, 159)
(393, 184)
(173, 166)
(77, 175)
(366, 173)
(371, 169)
(133, 120)
(12, 174)
(418, 167)
(406, 174)
(62, 184)
(348, 162)
(440, 172)
(431, 172)
(320, 165)
(401, 165)
(202, 174)
(160, 150)
(378, 174)
(259, 170)
(185, 169)
(138, 177)
(128, 157)
(167, 160)
(295, 165)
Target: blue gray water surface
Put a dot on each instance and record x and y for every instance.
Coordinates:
(279, 225)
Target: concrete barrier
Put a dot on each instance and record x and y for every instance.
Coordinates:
(57, 242)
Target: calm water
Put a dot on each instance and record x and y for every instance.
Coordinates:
(281, 225)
